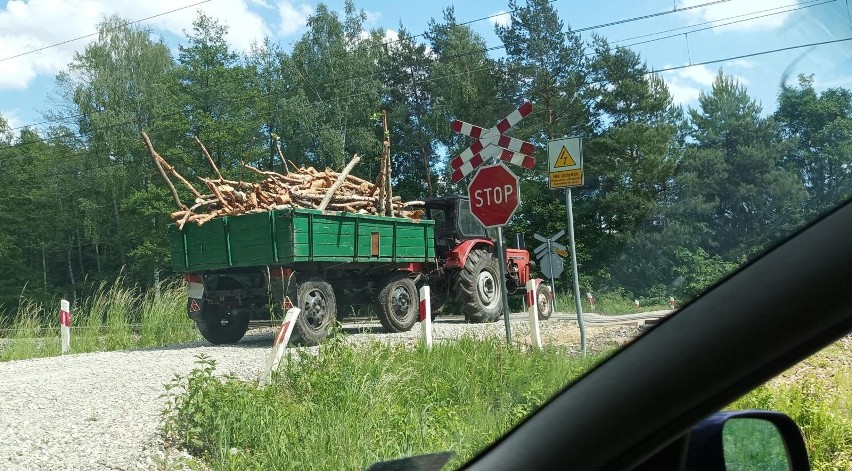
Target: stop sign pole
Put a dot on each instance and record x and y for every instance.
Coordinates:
(495, 195)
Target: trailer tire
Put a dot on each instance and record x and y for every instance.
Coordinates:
(218, 326)
(315, 298)
(478, 288)
(398, 304)
(544, 298)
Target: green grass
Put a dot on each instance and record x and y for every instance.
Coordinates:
(114, 317)
(609, 303)
(347, 407)
(817, 395)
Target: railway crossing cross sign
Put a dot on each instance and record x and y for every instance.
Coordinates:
(494, 195)
(550, 254)
(493, 143)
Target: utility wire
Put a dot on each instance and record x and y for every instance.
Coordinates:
(588, 28)
(719, 25)
(808, 4)
(98, 32)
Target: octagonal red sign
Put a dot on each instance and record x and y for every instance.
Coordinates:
(494, 195)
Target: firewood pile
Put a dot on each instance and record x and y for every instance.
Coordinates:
(298, 188)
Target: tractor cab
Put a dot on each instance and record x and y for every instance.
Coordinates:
(454, 222)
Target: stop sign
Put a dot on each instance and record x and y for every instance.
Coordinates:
(494, 195)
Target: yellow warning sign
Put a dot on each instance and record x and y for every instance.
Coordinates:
(565, 162)
(568, 178)
(565, 159)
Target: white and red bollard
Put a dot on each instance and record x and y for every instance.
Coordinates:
(282, 337)
(591, 299)
(672, 303)
(532, 297)
(426, 316)
(64, 326)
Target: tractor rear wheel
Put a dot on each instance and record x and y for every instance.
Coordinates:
(478, 287)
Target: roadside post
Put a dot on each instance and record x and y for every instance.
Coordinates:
(565, 159)
(64, 326)
(532, 302)
(494, 192)
(279, 345)
(426, 316)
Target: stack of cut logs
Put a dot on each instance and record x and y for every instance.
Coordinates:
(299, 188)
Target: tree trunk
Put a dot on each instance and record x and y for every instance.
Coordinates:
(157, 284)
(97, 257)
(70, 268)
(426, 169)
(80, 252)
(117, 220)
(44, 266)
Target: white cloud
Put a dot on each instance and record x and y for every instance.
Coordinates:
(391, 36)
(500, 18)
(13, 120)
(717, 14)
(682, 93)
(293, 17)
(373, 17)
(686, 84)
(699, 74)
(741, 63)
(29, 25)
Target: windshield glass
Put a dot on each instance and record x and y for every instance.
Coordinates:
(245, 172)
(468, 224)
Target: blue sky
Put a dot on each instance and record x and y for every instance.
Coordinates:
(27, 85)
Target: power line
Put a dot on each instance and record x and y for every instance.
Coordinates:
(719, 25)
(745, 56)
(489, 49)
(656, 71)
(99, 32)
(652, 15)
(801, 5)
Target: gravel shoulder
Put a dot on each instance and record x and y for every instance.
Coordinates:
(101, 411)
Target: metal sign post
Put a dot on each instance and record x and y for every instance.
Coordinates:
(573, 251)
(501, 257)
(565, 159)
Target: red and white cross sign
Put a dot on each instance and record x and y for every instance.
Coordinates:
(492, 143)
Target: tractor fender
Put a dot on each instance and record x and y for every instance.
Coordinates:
(457, 257)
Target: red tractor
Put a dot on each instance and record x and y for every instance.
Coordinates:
(466, 279)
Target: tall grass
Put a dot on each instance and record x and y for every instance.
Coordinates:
(347, 407)
(114, 317)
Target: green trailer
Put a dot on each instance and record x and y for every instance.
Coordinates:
(250, 267)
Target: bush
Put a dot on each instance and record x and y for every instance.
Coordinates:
(347, 407)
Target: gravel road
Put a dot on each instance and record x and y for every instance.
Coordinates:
(101, 411)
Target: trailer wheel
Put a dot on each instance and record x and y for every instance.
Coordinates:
(544, 298)
(219, 324)
(398, 304)
(315, 298)
(478, 287)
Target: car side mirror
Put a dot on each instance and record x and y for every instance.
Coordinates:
(746, 440)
